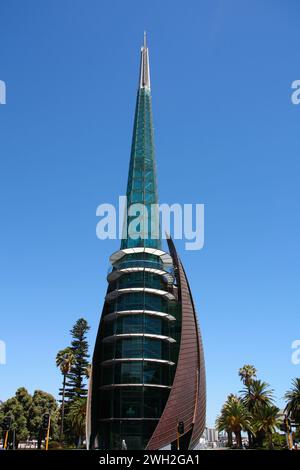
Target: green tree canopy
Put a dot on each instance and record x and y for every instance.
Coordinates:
(26, 412)
(76, 378)
(234, 418)
(254, 411)
(43, 402)
(76, 418)
(292, 397)
(266, 421)
(246, 373)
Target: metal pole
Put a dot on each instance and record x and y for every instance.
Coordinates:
(5, 440)
(48, 433)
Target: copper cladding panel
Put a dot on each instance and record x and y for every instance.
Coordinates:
(187, 399)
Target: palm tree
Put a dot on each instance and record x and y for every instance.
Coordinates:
(77, 416)
(257, 393)
(64, 360)
(255, 396)
(221, 421)
(292, 397)
(266, 422)
(246, 373)
(234, 418)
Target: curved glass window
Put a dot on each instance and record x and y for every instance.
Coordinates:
(133, 402)
(155, 325)
(136, 372)
(138, 301)
(109, 328)
(108, 350)
(140, 263)
(130, 324)
(106, 400)
(123, 324)
(107, 375)
(154, 402)
(136, 434)
(156, 349)
(128, 403)
(137, 347)
(123, 373)
(153, 348)
(129, 372)
(129, 347)
(136, 323)
(142, 279)
(139, 257)
(156, 373)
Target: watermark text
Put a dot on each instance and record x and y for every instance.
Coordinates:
(295, 96)
(2, 92)
(152, 221)
(2, 352)
(296, 352)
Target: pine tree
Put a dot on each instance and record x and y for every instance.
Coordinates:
(76, 378)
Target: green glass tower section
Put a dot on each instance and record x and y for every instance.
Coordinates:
(141, 193)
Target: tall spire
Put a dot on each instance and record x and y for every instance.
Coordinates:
(141, 186)
(145, 70)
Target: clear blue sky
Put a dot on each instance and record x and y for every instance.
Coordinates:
(227, 136)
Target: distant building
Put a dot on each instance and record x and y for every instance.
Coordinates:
(211, 435)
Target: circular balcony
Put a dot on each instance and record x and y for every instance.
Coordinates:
(138, 335)
(111, 386)
(133, 266)
(164, 257)
(134, 359)
(113, 315)
(117, 292)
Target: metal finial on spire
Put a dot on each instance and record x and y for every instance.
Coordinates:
(145, 70)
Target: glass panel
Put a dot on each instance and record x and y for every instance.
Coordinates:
(148, 430)
(107, 375)
(131, 347)
(154, 402)
(156, 373)
(108, 350)
(128, 372)
(153, 325)
(106, 400)
(114, 436)
(130, 403)
(153, 348)
(131, 432)
(156, 303)
(131, 301)
(153, 373)
(109, 328)
(142, 279)
(130, 324)
(132, 372)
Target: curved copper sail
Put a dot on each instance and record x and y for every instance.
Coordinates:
(187, 399)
